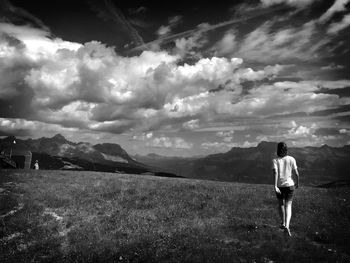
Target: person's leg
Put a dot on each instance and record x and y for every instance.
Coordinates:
(288, 212)
(288, 205)
(281, 211)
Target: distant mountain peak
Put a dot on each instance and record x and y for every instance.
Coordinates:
(265, 144)
(59, 136)
(153, 155)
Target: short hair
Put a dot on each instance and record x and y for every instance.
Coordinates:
(282, 149)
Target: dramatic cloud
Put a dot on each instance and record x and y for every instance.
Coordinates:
(285, 44)
(90, 86)
(46, 80)
(338, 6)
(338, 26)
(294, 3)
(203, 28)
(23, 127)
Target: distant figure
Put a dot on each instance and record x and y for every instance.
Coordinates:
(36, 165)
(283, 167)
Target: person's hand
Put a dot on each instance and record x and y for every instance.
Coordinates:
(277, 190)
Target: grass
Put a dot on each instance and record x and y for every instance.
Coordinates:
(63, 216)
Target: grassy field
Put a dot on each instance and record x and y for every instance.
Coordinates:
(61, 216)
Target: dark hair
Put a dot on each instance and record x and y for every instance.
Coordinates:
(282, 149)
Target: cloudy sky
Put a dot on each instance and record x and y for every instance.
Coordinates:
(176, 78)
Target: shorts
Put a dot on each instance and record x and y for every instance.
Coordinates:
(287, 193)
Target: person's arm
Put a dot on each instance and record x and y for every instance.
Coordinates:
(274, 170)
(297, 177)
(296, 174)
(277, 190)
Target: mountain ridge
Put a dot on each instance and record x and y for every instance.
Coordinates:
(58, 145)
(59, 153)
(317, 165)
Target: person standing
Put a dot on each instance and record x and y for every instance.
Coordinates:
(36, 165)
(283, 167)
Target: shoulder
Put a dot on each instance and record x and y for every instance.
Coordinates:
(290, 158)
(274, 162)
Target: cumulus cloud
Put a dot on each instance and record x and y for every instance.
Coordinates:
(227, 136)
(37, 43)
(188, 45)
(297, 131)
(22, 127)
(191, 125)
(332, 66)
(89, 86)
(143, 137)
(208, 145)
(167, 142)
(224, 146)
(344, 131)
(225, 133)
(299, 134)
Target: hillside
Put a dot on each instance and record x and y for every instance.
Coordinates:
(70, 216)
(59, 153)
(317, 165)
(58, 145)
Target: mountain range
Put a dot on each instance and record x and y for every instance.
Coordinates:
(317, 165)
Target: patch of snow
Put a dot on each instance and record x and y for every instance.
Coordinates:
(114, 158)
(64, 148)
(86, 148)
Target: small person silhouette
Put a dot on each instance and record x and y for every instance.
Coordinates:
(36, 165)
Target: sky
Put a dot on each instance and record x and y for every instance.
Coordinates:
(176, 78)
